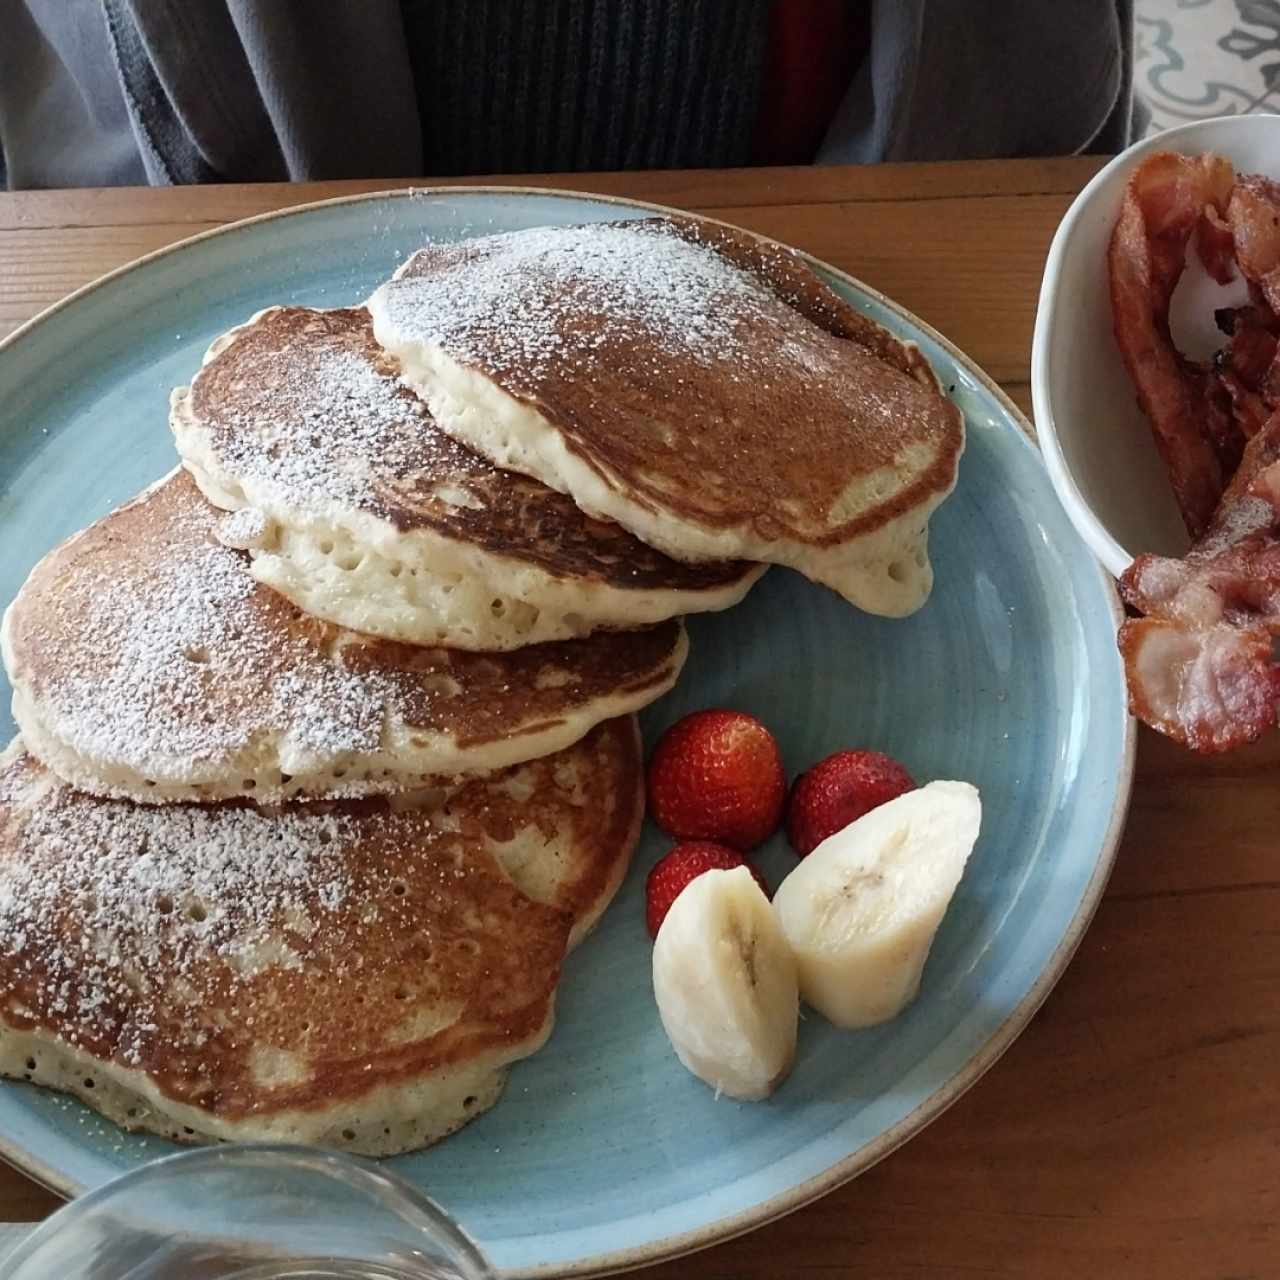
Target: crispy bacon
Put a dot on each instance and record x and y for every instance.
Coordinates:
(1233, 412)
(1254, 478)
(1200, 665)
(1215, 241)
(1247, 373)
(1251, 320)
(1240, 586)
(1211, 688)
(1169, 198)
(1253, 215)
(1250, 349)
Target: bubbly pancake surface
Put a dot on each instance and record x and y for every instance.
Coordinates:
(703, 389)
(563, 826)
(355, 973)
(147, 662)
(376, 519)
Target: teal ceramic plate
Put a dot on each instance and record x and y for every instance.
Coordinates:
(605, 1152)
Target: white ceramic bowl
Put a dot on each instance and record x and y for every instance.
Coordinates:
(1096, 443)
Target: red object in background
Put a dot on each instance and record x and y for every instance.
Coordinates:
(814, 48)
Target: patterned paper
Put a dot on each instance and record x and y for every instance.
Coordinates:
(1201, 58)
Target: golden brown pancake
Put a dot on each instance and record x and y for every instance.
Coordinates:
(146, 662)
(521, 813)
(697, 385)
(350, 974)
(373, 518)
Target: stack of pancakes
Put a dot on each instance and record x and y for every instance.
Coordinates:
(328, 746)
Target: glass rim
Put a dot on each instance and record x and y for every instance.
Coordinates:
(393, 1192)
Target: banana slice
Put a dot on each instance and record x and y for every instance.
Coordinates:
(725, 982)
(861, 910)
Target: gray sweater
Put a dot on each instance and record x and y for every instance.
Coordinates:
(103, 92)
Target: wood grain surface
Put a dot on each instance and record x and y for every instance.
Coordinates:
(1134, 1129)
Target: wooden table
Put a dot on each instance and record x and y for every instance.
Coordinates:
(1134, 1129)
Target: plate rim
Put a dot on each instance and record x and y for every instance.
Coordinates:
(671, 1247)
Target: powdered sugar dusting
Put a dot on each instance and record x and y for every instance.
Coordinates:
(147, 662)
(244, 530)
(527, 299)
(192, 664)
(306, 404)
(304, 423)
(158, 636)
(708, 393)
(109, 908)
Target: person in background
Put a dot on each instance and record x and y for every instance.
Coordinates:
(107, 92)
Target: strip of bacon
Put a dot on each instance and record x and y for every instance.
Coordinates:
(1200, 665)
(1246, 367)
(1253, 215)
(1170, 197)
(1215, 243)
(1247, 373)
(1211, 688)
(1251, 348)
(1240, 586)
(1233, 412)
(1250, 507)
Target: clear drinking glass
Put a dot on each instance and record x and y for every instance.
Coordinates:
(250, 1213)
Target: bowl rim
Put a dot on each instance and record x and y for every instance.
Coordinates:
(1081, 514)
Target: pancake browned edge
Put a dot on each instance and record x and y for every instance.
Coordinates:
(147, 663)
(352, 974)
(373, 518)
(696, 384)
